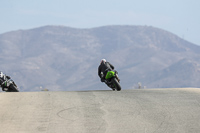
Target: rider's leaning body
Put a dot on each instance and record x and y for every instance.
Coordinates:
(104, 67)
(3, 79)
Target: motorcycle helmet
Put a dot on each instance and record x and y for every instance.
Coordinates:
(103, 61)
(1, 74)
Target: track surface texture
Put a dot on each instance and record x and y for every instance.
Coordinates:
(175, 110)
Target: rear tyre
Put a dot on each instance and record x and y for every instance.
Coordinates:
(116, 84)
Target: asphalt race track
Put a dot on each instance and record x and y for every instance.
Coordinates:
(175, 110)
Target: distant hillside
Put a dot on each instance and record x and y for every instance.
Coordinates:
(63, 58)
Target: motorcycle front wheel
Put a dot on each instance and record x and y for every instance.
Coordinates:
(12, 88)
(116, 84)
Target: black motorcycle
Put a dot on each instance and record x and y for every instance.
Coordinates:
(9, 86)
(112, 80)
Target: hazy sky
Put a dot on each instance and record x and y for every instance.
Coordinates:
(181, 17)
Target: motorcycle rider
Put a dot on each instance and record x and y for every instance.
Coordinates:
(104, 67)
(3, 79)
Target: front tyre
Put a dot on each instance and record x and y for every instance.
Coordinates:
(12, 88)
(116, 84)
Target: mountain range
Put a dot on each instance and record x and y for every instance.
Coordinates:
(60, 58)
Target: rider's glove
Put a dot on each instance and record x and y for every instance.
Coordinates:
(8, 77)
(102, 80)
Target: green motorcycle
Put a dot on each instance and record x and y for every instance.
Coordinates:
(112, 80)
